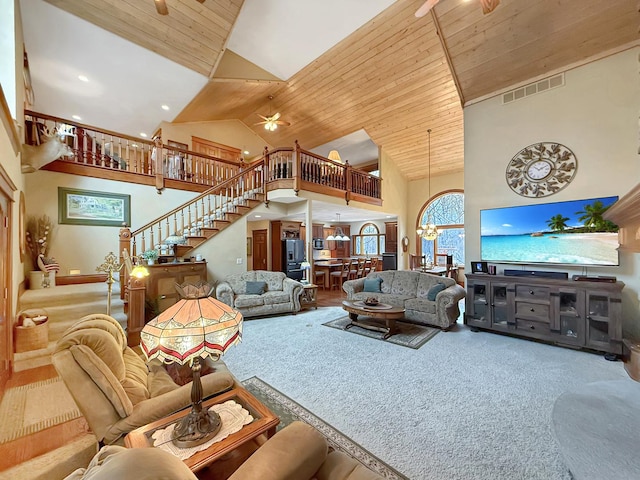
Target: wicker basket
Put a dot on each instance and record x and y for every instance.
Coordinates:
(34, 337)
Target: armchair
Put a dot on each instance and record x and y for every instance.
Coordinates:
(297, 452)
(114, 388)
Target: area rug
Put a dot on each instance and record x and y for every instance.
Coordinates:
(408, 334)
(288, 411)
(31, 408)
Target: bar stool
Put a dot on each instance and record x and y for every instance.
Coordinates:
(339, 276)
(320, 277)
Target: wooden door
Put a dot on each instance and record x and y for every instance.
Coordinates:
(6, 325)
(260, 249)
(217, 150)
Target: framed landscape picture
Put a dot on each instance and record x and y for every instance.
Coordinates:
(86, 207)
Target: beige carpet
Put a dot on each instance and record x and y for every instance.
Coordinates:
(30, 408)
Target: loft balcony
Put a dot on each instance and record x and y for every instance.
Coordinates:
(114, 156)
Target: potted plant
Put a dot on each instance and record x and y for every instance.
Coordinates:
(150, 256)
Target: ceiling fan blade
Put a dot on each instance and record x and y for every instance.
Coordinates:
(276, 116)
(161, 7)
(489, 6)
(426, 6)
(282, 122)
(266, 119)
(201, 1)
(261, 123)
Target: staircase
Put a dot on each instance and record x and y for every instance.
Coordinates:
(200, 219)
(64, 305)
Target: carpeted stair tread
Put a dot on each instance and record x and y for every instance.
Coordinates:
(57, 463)
(66, 294)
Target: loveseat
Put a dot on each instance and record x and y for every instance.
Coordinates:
(260, 292)
(428, 299)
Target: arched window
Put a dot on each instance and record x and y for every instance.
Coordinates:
(368, 241)
(447, 212)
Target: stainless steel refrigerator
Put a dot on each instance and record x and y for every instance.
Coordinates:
(292, 257)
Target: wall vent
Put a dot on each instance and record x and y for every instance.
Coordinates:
(533, 88)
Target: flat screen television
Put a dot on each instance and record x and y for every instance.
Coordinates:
(561, 233)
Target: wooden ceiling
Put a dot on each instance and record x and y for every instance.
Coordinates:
(395, 77)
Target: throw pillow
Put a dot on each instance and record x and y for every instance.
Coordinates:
(256, 288)
(372, 285)
(435, 290)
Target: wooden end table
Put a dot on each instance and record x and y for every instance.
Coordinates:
(382, 311)
(264, 423)
(309, 297)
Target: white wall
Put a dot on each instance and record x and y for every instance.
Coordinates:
(84, 247)
(595, 114)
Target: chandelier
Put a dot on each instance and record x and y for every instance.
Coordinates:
(428, 231)
(338, 234)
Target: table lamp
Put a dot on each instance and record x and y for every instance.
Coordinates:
(195, 327)
(305, 266)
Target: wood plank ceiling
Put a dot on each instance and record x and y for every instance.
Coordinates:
(391, 77)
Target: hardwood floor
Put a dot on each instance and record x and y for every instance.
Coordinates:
(30, 446)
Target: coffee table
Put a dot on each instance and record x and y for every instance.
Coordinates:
(382, 311)
(263, 425)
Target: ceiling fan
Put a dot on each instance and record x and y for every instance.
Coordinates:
(271, 122)
(487, 6)
(161, 6)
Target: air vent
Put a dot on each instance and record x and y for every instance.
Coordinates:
(533, 88)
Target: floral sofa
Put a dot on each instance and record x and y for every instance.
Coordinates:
(428, 299)
(260, 292)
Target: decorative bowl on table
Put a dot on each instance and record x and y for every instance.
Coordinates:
(371, 302)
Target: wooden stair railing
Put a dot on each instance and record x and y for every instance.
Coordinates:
(109, 151)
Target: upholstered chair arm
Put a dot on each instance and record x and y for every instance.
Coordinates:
(294, 453)
(225, 294)
(447, 303)
(154, 408)
(293, 288)
(353, 286)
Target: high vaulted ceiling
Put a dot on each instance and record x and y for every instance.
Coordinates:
(394, 77)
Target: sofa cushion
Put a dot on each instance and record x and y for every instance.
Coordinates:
(405, 283)
(249, 301)
(273, 279)
(435, 290)
(420, 304)
(238, 283)
(372, 285)
(135, 380)
(387, 279)
(256, 288)
(271, 298)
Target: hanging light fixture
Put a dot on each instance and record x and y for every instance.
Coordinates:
(428, 231)
(338, 234)
(335, 156)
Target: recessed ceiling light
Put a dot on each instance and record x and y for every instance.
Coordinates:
(165, 107)
(83, 78)
(246, 152)
(388, 216)
(258, 216)
(143, 135)
(76, 117)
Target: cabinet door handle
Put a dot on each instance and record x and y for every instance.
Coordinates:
(531, 292)
(532, 327)
(533, 309)
(162, 297)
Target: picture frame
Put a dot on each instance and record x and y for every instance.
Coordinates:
(89, 207)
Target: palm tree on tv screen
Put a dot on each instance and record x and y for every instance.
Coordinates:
(558, 223)
(591, 216)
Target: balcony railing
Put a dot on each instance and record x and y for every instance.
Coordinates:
(105, 154)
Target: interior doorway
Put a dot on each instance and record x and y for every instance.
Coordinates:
(259, 249)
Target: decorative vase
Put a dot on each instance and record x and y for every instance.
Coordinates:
(36, 279)
(150, 261)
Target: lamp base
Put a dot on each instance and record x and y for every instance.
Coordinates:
(196, 428)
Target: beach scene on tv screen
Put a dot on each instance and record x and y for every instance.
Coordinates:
(571, 232)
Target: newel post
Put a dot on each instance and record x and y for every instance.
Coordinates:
(296, 168)
(158, 162)
(348, 182)
(124, 237)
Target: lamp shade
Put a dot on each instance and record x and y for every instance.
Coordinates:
(335, 156)
(193, 327)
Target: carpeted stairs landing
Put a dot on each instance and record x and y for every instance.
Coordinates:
(64, 305)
